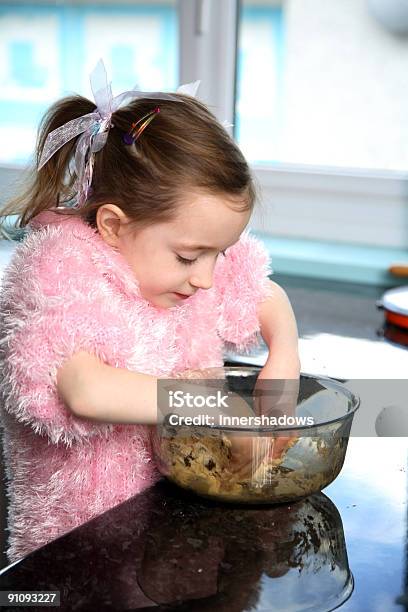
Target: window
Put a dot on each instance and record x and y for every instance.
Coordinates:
(309, 91)
(260, 69)
(48, 50)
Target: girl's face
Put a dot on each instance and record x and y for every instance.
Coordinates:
(177, 258)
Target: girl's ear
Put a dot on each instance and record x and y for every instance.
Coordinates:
(111, 222)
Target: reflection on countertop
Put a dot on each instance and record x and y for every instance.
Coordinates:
(168, 549)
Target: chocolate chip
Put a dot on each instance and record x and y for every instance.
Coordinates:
(210, 465)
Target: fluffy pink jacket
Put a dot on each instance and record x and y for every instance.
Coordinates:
(66, 290)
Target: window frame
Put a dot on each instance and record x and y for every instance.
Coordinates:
(354, 206)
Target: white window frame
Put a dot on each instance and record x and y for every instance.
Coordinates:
(347, 205)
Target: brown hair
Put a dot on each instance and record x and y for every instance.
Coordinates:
(183, 148)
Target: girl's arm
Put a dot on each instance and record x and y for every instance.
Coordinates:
(279, 330)
(96, 391)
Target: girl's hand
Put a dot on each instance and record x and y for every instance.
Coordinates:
(247, 450)
(275, 397)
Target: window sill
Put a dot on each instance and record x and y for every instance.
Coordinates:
(335, 261)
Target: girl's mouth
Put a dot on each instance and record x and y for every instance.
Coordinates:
(181, 296)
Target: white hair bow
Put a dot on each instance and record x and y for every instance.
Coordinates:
(94, 126)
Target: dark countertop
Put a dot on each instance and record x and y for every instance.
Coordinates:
(168, 546)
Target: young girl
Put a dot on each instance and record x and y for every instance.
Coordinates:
(135, 266)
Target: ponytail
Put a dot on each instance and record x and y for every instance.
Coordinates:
(53, 185)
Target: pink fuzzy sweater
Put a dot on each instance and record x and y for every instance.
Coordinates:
(64, 291)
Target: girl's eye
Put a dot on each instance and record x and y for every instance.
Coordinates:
(185, 261)
(188, 262)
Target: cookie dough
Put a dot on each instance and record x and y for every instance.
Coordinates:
(203, 464)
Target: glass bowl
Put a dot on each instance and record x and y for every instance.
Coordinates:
(259, 463)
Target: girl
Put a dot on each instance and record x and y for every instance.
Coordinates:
(135, 266)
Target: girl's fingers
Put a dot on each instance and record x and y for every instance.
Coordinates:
(280, 445)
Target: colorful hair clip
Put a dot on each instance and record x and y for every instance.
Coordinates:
(137, 128)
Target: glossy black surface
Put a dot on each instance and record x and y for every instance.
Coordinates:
(170, 550)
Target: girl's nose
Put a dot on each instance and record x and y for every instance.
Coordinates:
(203, 276)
